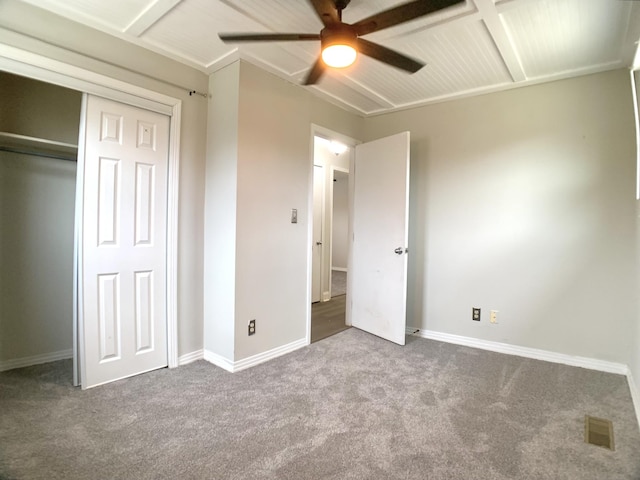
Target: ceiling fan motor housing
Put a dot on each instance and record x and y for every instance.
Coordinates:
(341, 4)
(341, 34)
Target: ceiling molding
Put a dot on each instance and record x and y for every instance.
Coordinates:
(500, 35)
(153, 13)
(374, 96)
(472, 48)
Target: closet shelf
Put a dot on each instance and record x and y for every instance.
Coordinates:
(12, 142)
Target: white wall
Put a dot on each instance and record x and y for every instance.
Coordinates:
(37, 204)
(274, 173)
(523, 202)
(63, 40)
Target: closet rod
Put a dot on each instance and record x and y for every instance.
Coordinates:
(38, 154)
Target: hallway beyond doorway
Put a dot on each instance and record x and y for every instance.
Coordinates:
(327, 318)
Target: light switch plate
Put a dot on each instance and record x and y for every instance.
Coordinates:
(294, 215)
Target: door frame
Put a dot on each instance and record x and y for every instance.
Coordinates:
(27, 64)
(320, 131)
(314, 238)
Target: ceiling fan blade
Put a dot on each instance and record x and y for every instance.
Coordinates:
(388, 56)
(267, 37)
(315, 73)
(326, 10)
(400, 14)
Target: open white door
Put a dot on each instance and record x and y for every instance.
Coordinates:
(123, 253)
(380, 237)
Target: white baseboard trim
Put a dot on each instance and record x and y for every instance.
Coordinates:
(190, 357)
(218, 360)
(547, 356)
(339, 269)
(254, 360)
(635, 395)
(35, 360)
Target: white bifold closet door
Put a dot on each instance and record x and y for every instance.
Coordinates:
(122, 318)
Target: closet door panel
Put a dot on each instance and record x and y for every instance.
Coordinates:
(124, 230)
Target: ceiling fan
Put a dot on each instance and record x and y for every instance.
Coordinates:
(341, 42)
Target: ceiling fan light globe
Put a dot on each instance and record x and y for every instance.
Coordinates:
(339, 56)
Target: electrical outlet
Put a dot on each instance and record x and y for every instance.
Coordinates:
(493, 316)
(475, 314)
(252, 327)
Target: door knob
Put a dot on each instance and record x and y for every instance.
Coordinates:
(401, 250)
(318, 243)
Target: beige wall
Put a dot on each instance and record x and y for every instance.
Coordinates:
(221, 212)
(634, 362)
(66, 41)
(523, 202)
(38, 109)
(274, 169)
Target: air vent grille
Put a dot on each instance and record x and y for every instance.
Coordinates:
(598, 431)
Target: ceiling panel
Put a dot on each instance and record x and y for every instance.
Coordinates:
(115, 14)
(473, 47)
(341, 91)
(191, 30)
(289, 60)
(460, 58)
(279, 15)
(552, 36)
(360, 9)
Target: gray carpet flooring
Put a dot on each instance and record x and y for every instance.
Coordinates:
(350, 407)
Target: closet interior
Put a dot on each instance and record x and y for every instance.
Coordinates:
(39, 125)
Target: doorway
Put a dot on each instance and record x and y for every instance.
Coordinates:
(330, 234)
(37, 210)
(37, 67)
(377, 236)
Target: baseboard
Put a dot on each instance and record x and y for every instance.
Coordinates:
(218, 360)
(190, 357)
(254, 360)
(268, 355)
(339, 269)
(35, 360)
(635, 395)
(547, 356)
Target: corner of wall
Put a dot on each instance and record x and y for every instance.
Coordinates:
(219, 278)
(635, 394)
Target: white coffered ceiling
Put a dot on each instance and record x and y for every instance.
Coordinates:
(474, 47)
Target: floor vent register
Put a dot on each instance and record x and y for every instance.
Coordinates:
(598, 431)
